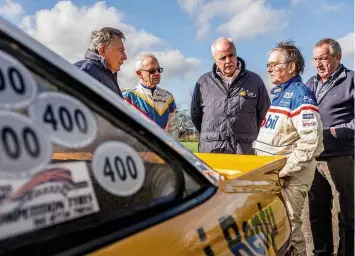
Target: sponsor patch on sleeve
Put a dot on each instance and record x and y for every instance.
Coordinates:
(308, 116)
(309, 124)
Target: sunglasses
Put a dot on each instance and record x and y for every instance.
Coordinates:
(153, 71)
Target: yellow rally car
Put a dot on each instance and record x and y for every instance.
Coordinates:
(81, 172)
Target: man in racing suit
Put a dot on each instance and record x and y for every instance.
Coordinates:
(153, 102)
(292, 127)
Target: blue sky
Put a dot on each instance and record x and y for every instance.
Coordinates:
(180, 32)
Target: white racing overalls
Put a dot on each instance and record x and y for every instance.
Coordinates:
(293, 127)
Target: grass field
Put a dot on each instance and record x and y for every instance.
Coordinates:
(192, 146)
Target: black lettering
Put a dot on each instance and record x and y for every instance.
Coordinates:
(259, 228)
(120, 166)
(80, 121)
(11, 143)
(108, 170)
(228, 224)
(39, 222)
(202, 235)
(132, 169)
(19, 86)
(65, 119)
(5, 189)
(247, 230)
(31, 142)
(80, 200)
(273, 222)
(84, 209)
(48, 117)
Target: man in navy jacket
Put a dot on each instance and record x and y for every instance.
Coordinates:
(104, 57)
(333, 87)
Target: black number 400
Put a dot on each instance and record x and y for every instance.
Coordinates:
(66, 119)
(120, 168)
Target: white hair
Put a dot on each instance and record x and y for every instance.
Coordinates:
(142, 59)
(226, 39)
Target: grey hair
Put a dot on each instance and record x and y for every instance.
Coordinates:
(143, 58)
(334, 46)
(291, 54)
(104, 37)
(220, 39)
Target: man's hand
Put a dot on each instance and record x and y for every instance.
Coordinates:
(284, 181)
(284, 178)
(333, 132)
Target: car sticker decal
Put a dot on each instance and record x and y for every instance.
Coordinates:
(24, 149)
(17, 86)
(66, 120)
(56, 194)
(118, 168)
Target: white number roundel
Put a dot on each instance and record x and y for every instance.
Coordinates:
(65, 119)
(24, 149)
(118, 168)
(17, 86)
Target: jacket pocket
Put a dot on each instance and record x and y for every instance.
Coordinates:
(210, 136)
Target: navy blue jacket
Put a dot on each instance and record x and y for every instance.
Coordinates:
(336, 108)
(95, 65)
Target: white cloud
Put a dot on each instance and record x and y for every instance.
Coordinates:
(347, 44)
(11, 9)
(242, 18)
(253, 20)
(66, 29)
(190, 5)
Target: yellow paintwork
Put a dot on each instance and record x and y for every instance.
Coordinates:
(232, 166)
(250, 180)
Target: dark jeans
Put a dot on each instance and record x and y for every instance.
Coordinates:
(320, 204)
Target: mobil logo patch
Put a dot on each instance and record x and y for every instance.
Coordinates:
(270, 121)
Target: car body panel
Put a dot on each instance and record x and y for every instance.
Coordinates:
(246, 215)
(214, 228)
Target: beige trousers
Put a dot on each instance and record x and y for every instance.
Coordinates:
(295, 193)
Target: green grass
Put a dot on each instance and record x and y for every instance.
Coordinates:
(192, 146)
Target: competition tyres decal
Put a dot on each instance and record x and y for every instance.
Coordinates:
(56, 194)
(65, 119)
(118, 168)
(17, 86)
(24, 149)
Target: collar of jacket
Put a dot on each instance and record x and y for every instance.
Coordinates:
(242, 68)
(279, 88)
(147, 88)
(98, 59)
(338, 74)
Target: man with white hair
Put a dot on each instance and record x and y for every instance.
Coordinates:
(229, 103)
(153, 102)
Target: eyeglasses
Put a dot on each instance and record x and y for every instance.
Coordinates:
(154, 71)
(274, 64)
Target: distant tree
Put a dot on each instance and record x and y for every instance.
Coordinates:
(183, 119)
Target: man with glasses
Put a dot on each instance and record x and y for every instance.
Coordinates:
(334, 90)
(228, 103)
(153, 102)
(104, 57)
(292, 127)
